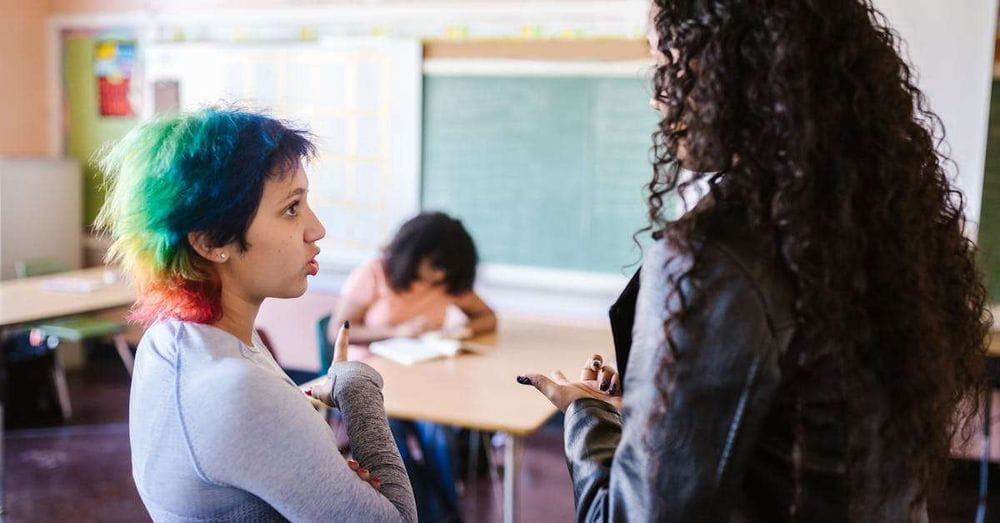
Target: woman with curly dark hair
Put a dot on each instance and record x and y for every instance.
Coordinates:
(804, 335)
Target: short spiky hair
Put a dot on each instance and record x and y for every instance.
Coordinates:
(196, 172)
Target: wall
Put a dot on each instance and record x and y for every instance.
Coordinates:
(24, 128)
(87, 130)
(952, 44)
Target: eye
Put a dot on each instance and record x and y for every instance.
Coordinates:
(292, 210)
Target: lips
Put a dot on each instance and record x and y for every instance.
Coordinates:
(312, 266)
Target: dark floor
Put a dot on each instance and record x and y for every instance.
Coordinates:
(80, 471)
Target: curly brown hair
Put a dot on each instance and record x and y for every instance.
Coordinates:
(813, 125)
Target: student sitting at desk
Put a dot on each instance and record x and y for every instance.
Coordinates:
(209, 216)
(429, 266)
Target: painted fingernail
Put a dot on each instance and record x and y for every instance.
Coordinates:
(523, 380)
(308, 392)
(613, 389)
(362, 471)
(596, 364)
(353, 465)
(377, 483)
(347, 324)
(605, 385)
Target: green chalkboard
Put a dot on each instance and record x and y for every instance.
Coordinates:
(989, 218)
(543, 171)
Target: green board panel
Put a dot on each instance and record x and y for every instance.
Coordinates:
(87, 130)
(989, 222)
(543, 171)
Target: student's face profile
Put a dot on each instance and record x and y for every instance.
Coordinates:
(282, 241)
(653, 41)
(428, 273)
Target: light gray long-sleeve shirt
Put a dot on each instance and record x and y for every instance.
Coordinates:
(219, 432)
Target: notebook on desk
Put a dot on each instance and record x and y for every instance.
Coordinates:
(409, 351)
(71, 285)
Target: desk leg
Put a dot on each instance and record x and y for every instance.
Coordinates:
(2, 492)
(511, 472)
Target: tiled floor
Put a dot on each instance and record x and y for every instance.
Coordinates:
(80, 471)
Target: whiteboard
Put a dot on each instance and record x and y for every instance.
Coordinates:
(361, 99)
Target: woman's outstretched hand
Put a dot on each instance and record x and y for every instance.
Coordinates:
(597, 380)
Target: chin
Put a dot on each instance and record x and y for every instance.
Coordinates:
(294, 290)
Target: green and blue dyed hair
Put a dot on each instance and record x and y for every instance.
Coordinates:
(198, 172)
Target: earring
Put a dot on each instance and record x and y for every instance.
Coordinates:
(222, 255)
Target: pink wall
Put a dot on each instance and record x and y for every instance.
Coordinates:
(24, 110)
(291, 327)
(82, 6)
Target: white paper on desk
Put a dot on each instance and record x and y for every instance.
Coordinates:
(408, 351)
(69, 284)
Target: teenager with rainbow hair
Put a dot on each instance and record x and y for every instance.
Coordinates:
(208, 214)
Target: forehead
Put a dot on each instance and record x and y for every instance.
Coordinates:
(281, 186)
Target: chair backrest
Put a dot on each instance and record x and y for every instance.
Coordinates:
(325, 349)
(38, 267)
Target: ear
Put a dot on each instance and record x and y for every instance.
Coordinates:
(199, 242)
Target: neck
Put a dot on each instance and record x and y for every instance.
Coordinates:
(238, 315)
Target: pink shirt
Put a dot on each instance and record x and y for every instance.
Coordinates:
(367, 285)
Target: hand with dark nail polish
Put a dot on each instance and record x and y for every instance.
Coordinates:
(597, 381)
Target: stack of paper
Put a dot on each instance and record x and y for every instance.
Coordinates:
(408, 351)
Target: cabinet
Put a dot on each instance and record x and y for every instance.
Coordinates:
(40, 212)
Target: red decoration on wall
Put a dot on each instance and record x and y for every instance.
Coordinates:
(113, 96)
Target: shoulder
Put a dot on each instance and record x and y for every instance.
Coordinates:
(176, 340)
(212, 363)
(728, 255)
(234, 393)
(368, 274)
(374, 266)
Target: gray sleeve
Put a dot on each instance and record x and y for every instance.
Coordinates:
(247, 428)
(357, 392)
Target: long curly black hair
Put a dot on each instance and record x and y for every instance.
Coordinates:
(810, 121)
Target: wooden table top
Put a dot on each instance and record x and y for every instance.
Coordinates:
(478, 390)
(25, 300)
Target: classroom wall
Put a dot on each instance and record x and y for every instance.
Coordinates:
(87, 131)
(24, 124)
(958, 39)
(83, 6)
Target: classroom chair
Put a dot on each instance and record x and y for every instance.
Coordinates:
(325, 348)
(80, 329)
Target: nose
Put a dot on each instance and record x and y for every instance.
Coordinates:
(315, 230)
(655, 104)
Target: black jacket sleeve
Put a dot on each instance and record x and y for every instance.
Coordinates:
(691, 415)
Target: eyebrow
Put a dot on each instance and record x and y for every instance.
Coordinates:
(295, 192)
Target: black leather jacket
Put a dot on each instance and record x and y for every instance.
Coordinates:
(739, 433)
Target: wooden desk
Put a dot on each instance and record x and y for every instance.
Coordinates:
(24, 301)
(478, 390)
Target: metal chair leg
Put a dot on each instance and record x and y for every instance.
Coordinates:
(121, 345)
(62, 390)
(473, 465)
(495, 481)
